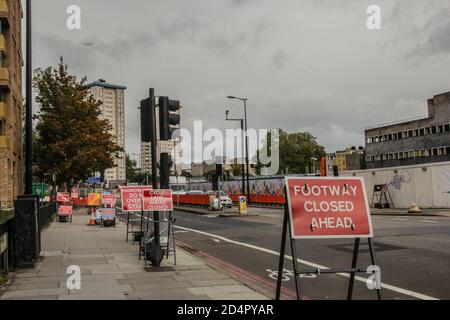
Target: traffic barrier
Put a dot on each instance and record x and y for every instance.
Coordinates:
(202, 200)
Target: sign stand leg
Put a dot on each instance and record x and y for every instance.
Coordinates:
(374, 261)
(352, 274)
(128, 223)
(142, 221)
(294, 265)
(282, 251)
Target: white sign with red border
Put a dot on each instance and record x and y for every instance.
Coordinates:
(158, 200)
(132, 197)
(328, 208)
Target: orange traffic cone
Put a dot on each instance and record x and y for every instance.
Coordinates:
(92, 221)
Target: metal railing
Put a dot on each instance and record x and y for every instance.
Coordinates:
(46, 215)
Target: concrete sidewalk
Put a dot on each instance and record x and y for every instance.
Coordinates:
(110, 269)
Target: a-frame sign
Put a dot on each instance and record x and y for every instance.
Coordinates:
(324, 208)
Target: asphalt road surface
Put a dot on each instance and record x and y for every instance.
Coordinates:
(413, 254)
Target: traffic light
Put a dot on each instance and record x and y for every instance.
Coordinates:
(169, 119)
(147, 106)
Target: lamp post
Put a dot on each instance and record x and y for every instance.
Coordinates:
(244, 100)
(28, 106)
(242, 164)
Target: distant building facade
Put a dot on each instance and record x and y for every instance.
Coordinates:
(11, 102)
(113, 109)
(351, 158)
(411, 142)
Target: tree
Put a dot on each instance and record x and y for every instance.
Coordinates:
(296, 151)
(73, 142)
(130, 168)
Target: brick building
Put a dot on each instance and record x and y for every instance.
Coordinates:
(11, 102)
(411, 142)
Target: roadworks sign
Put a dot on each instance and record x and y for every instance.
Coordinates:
(328, 208)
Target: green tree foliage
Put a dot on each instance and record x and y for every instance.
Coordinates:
(73, 142)
(296, 151)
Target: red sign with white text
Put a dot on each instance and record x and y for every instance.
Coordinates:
(158, 200)
(108, 199)
(132, 197)
(65, 210)
(62, 197)
(328, 208)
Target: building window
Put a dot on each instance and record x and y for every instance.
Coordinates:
(447, 127)
(410, 134)
(433, 129)
(427, 130)
(422, 132)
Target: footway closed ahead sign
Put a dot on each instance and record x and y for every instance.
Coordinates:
(328, 208)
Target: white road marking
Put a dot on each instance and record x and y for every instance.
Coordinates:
(428, 221)
(399, 219)
(311, 264)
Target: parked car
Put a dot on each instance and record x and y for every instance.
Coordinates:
(225, 200)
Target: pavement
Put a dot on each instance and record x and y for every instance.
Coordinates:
(110, 270)
(258, 210)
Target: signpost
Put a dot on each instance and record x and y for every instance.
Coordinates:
(65, 212)
(157, 200)
(326, 208)
(132, 202)
(39, 189)
(109, 199)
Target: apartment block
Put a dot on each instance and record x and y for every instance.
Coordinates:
(112, 97)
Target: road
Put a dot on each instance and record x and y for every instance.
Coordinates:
(413, 253)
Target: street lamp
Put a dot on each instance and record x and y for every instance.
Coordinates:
(313, 160)
(28, 106)
(242, 167)
(244, 100)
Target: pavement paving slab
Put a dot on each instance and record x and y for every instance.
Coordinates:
(110, 270)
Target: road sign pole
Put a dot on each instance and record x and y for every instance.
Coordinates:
(282, 251)
(294, 264)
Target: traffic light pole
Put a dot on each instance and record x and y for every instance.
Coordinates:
(156, 253)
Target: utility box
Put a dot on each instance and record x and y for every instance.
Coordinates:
(242, 206)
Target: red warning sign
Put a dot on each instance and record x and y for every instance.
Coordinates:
(158, 200)
(65, 210)
(328, 208)
(132, 197)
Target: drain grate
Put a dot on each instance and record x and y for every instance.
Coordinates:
(160, 269)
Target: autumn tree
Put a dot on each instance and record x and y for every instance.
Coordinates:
(73, 142)
(296, 151)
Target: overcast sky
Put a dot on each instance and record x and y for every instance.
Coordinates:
(303, 64)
